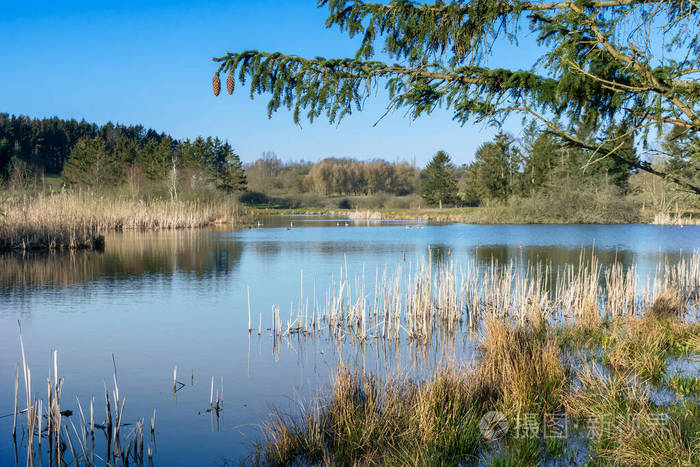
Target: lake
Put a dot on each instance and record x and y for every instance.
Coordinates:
(155, 301)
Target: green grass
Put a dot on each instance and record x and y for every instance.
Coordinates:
(522, 368)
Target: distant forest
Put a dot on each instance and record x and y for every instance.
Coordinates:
(535, 164)
(112, 155)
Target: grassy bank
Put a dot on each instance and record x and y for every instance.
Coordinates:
(537, 381)
(77, 220)
(499, 213)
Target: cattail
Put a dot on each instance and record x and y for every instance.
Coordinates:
(229, 84)
(216, 84)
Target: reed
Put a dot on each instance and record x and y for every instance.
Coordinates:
(421, 302)
(68, 220)
(66, 443)
(367, 214)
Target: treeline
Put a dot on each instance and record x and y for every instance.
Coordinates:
(539, 162)
(114, 155)
(331, 177)
(506, 167)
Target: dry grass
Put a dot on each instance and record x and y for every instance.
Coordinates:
(399, 421)
(669, 303)
(76, 220)
(643, 344)
(634, 431)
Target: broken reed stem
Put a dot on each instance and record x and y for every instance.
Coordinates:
(14, 412)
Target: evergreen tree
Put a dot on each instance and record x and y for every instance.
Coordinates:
(87, 164)
(542, 153)
(496, 165)
(440, 185)
(229, 173)
(591, 66)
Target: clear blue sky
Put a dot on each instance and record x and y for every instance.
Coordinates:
(149, 62)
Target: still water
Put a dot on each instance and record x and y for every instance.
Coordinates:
(151, 302)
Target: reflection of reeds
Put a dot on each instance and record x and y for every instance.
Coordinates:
(127, 254)
(76, 220)
(419, 302)
(76, 447)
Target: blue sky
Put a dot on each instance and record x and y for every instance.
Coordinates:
(150, 62)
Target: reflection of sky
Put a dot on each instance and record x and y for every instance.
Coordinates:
(156, 301)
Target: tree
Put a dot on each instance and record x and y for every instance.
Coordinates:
(496, 164)
(629, 63)
(542, 151)
(87, 163)
(441, 184)
(229, 173)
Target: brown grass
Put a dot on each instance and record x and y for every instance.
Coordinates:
(76, 220)
(400, 421)
(634, 431)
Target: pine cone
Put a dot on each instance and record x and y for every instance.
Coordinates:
(216, 83)
(229, 84)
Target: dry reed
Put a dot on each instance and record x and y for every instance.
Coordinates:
(76, 220)
(419, 303)
(77, 447)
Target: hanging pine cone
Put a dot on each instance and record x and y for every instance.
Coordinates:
(216, 84)
(229, 84)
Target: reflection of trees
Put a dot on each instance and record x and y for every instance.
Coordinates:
(126, 255)
(504, 254)
(439, 253)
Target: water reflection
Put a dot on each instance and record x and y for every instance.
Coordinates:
(162, 300)
(127, 256)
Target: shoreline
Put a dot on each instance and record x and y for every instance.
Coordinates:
(473, 215)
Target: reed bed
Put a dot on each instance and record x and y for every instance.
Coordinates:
(675, 219)
(66, 442)
(367, 214)
(416, 303)
(524, 382)
(398, 421)
(77, 220)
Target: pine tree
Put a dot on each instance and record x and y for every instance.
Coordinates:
(594, 67)
(87, 163)
(441, 184)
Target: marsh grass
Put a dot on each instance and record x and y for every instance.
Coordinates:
(400, 421)
(636, 432)
(76, 220)
(66, 442)
(530, 360)
(643, 344)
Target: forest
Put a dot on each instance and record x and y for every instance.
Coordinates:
(112, 156)
(533, 177)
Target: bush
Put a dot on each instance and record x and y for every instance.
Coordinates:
(344, 204)
(254, 197)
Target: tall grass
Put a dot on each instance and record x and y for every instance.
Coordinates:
(420, 302)
(69, 443)
(398, 421)
(76, 220)
(523, 371)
